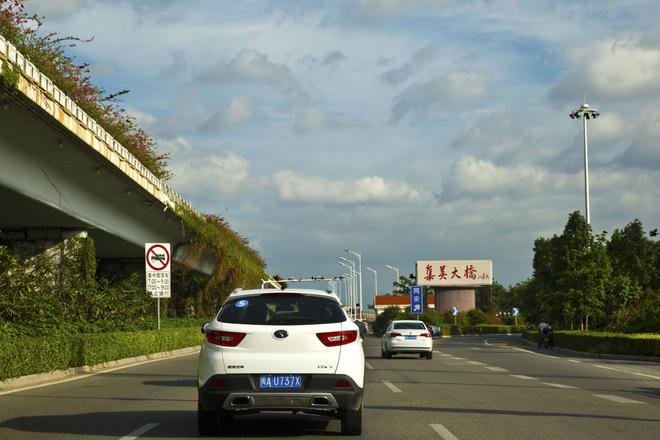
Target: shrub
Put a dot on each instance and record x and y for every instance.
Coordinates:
(23, 355)
(383, 320)
(639, 344)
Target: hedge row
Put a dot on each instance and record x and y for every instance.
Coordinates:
(23, 355)
(639, 344)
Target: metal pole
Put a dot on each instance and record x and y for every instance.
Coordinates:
(586, 170)
(360, 268)
(158, 306)
(375, 285)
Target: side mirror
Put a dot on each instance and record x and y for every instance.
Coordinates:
(204, 326)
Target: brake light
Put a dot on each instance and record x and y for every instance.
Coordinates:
(394, 334)
(426, 335)
(333, 339)
(224, 339)
(342, 383)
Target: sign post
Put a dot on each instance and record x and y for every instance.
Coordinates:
(157, 266)
(416, 300)
(516, 312)
(454, 311)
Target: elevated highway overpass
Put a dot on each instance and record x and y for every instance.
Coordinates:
(61, 173)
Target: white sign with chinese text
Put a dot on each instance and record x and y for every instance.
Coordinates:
(157, 264)
(451, 273)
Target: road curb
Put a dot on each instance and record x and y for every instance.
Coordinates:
(59, 375)
(584, 354)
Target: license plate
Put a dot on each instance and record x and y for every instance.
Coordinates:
(280, 381)
(411, 337)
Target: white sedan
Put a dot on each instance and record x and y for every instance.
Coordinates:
(407, 337)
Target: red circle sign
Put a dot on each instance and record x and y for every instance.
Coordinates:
(157, 260)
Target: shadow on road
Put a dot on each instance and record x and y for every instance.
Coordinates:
(172, 424)
(187, 383)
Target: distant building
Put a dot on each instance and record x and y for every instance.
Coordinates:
(401, 301)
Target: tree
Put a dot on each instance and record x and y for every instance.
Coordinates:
(633, 255)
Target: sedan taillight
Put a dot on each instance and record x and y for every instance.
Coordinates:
(426, 335)
(394, 334)
(225, 339)
(333, 339)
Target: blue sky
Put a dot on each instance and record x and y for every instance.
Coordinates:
(404, 130)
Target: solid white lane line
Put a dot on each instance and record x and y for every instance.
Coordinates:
(617, 399)
(575, 361)
(497, 369)
(560, 385)
(648, 375)
(475, 348)
(605, 367)
(443, 432)
(520, 376)
(458, 359)
(369, 366)
(475, 363)
(532, 352)
(391, 386)
(138, 432)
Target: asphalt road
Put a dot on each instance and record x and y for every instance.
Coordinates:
(474, 388)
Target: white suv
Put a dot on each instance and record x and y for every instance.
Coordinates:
(280, 350)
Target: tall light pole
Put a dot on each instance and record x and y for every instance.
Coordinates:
(375, 285)
(355, 286)
(351, 270)
(359, 274)
(584, 113)
(395, 269)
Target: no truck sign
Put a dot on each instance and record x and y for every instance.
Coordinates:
(157, 259)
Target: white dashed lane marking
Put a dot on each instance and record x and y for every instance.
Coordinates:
(648, 375)
(391, 386)
(458, 359)
(138, 432)
(497, 369)
(560, 385)
(475, 363)
(618, 399)
(369, 366)
(575, 361)
(520, 376)
(605, 367)
(443, 432)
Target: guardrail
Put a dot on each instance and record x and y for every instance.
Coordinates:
(40, 89)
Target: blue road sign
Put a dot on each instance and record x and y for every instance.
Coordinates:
(516, 312)
(416, 300)
(454, 310)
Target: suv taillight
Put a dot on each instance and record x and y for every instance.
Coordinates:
(333, 339)
(225, 339)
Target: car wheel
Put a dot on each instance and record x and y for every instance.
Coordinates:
(423, 355)
(388, 355)
(207, 421)
(224, 420)
(351, 422)
(429, 355)
(382, 353)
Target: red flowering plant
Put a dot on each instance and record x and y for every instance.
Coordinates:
(47, 52)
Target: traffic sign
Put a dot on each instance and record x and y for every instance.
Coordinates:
(454, 310)
(516, 312)
(157, 266)
(416, 300)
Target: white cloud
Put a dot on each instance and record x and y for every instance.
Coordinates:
(205, 175)
(379, 10)
(475, 178)
(312, 120)
(54, 9)
(611, 69)
(239, 111)
(293, 187)
(454, 90)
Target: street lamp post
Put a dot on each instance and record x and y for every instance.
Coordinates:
(355, 285)
(351, 287)
(584, 113)
(395, 269)
(375, 285)
(359, 274)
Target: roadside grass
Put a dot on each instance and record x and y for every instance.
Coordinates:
(638, 344)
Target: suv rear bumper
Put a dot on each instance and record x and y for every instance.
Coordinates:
(318, 394)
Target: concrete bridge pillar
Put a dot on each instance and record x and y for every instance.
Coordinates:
(448, 297)
(30, 242)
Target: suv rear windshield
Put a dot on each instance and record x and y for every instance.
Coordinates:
(409, 326)
(274, 309)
